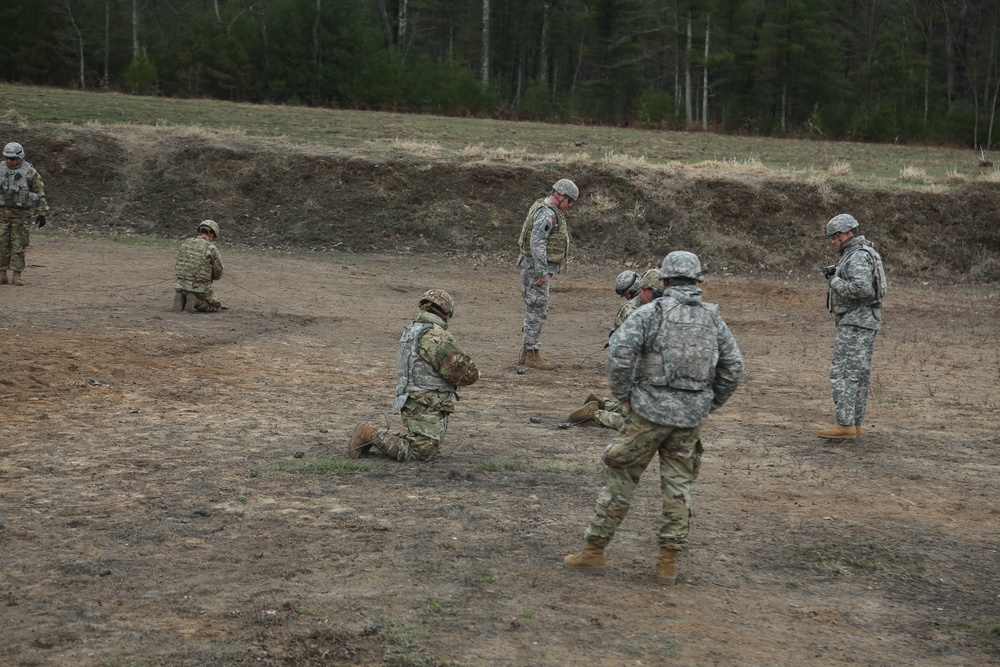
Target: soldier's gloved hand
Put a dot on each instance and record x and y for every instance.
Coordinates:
(829, 271)
(40, 221)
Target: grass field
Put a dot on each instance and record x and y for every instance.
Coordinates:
(870, 165)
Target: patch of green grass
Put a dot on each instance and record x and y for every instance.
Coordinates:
(485, 577)
(328, 466)
(979, 632)
(528, 613)
(497, 465)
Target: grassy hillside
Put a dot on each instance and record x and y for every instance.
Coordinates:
(352, 181)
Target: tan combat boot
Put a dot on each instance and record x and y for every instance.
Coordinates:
(178, 306)
(839, 432)
(597, 399)
(534, 359)
(522, 356)
(590, 560)
(859, 430)
(3, 278)
(364, 437)
(666, 566)
(584, 414)
(15, 278)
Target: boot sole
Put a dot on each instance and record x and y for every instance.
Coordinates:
(586, 569)
(666, 581)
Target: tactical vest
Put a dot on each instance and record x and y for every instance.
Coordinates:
(558, 246)
(193, 261)
(880, 286)
(413, 372)
(684, 351)
(14, 188)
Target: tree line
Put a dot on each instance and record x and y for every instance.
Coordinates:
(873, 70)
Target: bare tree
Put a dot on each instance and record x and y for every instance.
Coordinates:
(688, 103)
(704, 83)
(135, 29)
(484, 61)
(74, 42)
(401, 31)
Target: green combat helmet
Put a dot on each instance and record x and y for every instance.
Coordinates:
(627, 282)
(209, 225)
(844, 222)
(439, 298)
(651, 280)
(564, 186)
(682, 264)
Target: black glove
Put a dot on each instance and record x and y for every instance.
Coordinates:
(40, 221)
(829, 271)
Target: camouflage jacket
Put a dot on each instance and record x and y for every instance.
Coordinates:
(199, 262)
(639, 347)
(627, 309)
(544, 240)
(22, 187)
(858, 286)
(439, 348)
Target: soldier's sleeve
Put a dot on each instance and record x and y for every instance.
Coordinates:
(729, 370)
(216, 259)
(540, 230)
(441, 349)
(856, 279)
(624, 349)
(38, 187)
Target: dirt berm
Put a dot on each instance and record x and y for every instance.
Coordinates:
(159, 181)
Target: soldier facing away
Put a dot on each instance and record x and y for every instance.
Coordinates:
(430, 367)
(857, 287)
(670, 363)
(22, 194)
(199, 264)
(543, 246)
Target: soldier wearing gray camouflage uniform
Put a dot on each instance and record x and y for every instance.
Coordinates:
(22, 194)
(857, 286)
(671, 363)
(543, 246)
(199, 263)
(430, 367)
(642, 290)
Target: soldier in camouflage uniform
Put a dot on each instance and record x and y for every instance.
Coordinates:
(671, 363)
(22, 194)
(543, 246)
(199, 263)
(607, 411)
(430, 367)
(857, 287)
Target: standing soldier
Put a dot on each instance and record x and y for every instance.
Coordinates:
(857, 287)
(22, 194)
(671, 363)
(430, 367)
(199, 263)
(607, 411)
(543, 245)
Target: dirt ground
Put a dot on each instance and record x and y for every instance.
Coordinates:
(174, 488)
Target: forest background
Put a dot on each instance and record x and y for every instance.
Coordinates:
(871, 70)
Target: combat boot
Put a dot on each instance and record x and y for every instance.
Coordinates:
(522, 356)
(597, 399)
(15, 278)
(859, 430)
(590, 560)
(534, 359)
(361, 442)
(179, 300)
(839, 432)
(666, 566)
(584, 414)
(3, 278)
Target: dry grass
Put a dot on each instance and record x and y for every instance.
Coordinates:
(912, 175)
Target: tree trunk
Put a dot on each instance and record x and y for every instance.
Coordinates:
(135, 29)
(218, 15)
(401, 33)
(704, 84)
(543, 47)
(688, 108)
(484, 61)
(107, 44)
(317, 53)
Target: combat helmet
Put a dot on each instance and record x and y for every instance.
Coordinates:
(627, 282)
(439, 298)
(651, 280)
(681, 264)
(14, 149)
(844, 222)
(209, 225)
(564, 186)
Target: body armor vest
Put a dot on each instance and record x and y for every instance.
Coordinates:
(14, 188)
(193, 261)
(837, 304)
(413, 372)
(685, 350)
(558, 246)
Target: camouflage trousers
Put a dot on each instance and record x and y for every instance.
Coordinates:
(612, 415)
(425, 428)
(536, 308)
(14, 239)
(850, 372)
(205, 302)
(627, 457)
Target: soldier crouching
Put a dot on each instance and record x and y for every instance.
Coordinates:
(199, 264)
